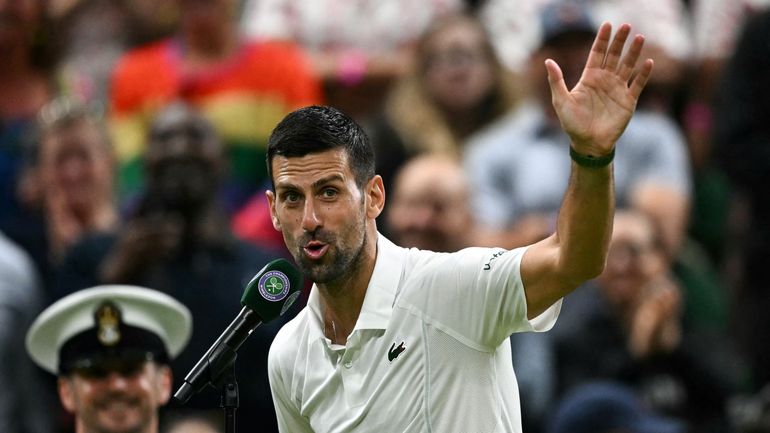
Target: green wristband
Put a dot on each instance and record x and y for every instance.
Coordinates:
(591, 161)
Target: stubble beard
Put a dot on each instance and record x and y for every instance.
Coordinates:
(341, 260)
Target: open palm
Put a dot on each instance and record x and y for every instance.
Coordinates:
(596, 111)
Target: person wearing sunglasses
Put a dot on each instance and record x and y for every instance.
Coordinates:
(110, 347)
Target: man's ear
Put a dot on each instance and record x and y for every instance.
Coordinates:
(375, 197)
(271, 203)
(66, 394)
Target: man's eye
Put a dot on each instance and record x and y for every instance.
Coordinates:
(291, 197)
(329, 193)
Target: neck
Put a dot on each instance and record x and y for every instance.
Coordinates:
(341, 300)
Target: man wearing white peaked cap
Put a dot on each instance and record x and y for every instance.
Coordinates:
(110, 347)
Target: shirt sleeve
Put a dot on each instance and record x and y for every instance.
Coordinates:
(288, 415)
(476, 295)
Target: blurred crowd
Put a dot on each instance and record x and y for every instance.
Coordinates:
(132, 151)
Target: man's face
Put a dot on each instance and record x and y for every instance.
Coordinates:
(75, 163)
(458, 72)
(429, 207)
(570, 52)
(322, 213)
(116, 402)
(632, 260)
(184, 159)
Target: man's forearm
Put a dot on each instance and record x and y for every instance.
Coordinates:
(584, 224)
(576, 252)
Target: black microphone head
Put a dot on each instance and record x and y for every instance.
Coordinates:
(272, 291)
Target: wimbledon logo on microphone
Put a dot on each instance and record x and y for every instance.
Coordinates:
(273, 286)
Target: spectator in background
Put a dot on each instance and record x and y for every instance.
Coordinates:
(518, 167)
(69, 177)
(243, 87)
(177, 241)
(429, 205)
(358, 48)
(716, 25)
(517, 32)
(24, 88)
(627, 327)
(110, 346)
(25, 406)
(742, 149)
(716, 28)
(91, 35)
(456, 89)
(607, 407)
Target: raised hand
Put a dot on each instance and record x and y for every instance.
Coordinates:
(596, 111)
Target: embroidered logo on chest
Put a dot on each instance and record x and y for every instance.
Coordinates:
(395, 351)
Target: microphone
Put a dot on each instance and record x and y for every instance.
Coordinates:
(268, 295)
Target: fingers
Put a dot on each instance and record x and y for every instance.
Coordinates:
(626, 67)
(608, 56)
(559, 89)
(599, 47)
(641, 79)
(616, 48)
(629, 62)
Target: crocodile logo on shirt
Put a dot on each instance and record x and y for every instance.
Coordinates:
(395, 351)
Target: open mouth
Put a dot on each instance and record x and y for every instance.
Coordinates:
(315, 250)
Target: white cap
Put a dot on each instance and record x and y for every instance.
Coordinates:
(103, 309)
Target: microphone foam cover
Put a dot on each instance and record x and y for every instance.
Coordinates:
(273, 289)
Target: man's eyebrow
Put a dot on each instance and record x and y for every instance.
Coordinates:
(328, 179)
(315, 185)
(284, 185)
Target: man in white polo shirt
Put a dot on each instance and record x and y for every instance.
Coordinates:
(404, 340)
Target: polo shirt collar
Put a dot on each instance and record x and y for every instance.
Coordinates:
(380, 293)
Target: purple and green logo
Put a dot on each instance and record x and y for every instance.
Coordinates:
(273, 286)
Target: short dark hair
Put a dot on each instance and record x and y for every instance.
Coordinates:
(317, 129)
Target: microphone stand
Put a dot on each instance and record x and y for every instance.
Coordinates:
(229, 396)
(217, 367)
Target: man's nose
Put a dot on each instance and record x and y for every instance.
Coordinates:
(310, 218)
(179, 145)
(116, 381)
(72, 168)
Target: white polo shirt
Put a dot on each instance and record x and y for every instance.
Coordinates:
(429, 352)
